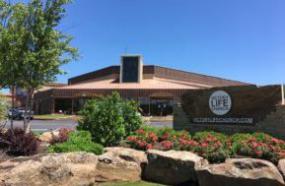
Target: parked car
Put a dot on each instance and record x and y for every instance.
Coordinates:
(19, 114)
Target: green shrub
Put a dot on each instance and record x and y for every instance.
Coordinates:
(149, 137)
(262, 137)
(237, 141)
(110, 119)
(258, 145)
(202, 135)
(240, 136)
(215, 147)
(77, 141)
(212, 146)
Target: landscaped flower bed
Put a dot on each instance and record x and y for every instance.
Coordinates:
(215, 147)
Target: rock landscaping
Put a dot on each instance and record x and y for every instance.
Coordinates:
(172, 167)
(124, 164)
(281, 167)
(236, 172)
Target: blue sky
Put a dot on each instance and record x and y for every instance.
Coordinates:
(237, 39)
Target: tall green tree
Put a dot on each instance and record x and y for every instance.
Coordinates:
(41, 47)
(48, 48)
(12, 19)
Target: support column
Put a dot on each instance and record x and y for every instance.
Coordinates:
(72, 106)
(52, 106)
(149, 102)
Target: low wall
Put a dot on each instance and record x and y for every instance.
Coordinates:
(261, 104)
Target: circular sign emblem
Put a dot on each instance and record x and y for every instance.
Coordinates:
(220, 102)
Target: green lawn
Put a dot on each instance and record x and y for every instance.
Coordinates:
(139, 183)
(52, 116)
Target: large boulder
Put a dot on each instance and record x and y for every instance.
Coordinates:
(120, 164)
(48, 136)
(237, 172)
(172, 167)
(127, 154)
(52, 169)
(281, 167)
(78, 168)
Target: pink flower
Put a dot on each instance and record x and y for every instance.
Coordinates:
(149, 146)
(132, 138)
(165, 136)
(140, 131)
(141, 144)
(167, 145)
(152, 137)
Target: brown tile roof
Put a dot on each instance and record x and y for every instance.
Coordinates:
(156, 83)
(159, 72)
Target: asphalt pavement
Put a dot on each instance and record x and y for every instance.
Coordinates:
(46, 125)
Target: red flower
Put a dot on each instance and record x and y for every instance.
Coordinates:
(165, 136)
(254, 145)
(140, 131)
(166, 145)
(152, 137)
(276, 141)
(149, 146)
(132, 138)
(141, 144)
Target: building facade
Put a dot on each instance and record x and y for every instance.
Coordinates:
(155, 88)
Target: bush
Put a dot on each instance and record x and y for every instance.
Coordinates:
(110, 119)
(213, 146)
(62, 136)
(163, 138)
(19, 143)
(77, 141)
(205, 134)
(258, 145)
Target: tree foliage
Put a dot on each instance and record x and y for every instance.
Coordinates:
(32, 48)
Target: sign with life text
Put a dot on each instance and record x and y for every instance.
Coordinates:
(220, 104)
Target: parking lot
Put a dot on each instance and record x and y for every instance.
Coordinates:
(45, 125)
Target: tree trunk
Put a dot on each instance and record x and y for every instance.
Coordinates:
(13, 106)
(28, 110)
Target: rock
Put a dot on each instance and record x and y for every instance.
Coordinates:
(172, 167)
(43, 147)
(237, 172)
(120, 164)
(48, 136)
(78, 168)
(128, 154)
(52, 169)
(281, 167)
